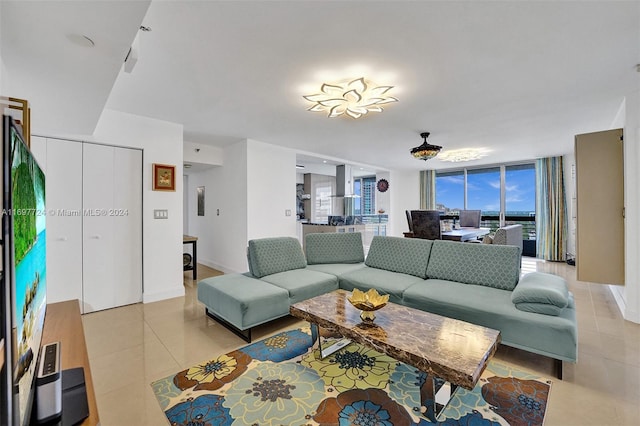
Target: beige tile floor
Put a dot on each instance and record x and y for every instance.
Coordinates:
(132, 346)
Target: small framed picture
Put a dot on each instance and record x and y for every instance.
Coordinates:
(164, 177)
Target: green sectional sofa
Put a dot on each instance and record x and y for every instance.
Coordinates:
(476, 283)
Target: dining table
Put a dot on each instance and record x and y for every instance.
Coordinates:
(465, 234)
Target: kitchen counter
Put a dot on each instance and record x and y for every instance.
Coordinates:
(318, 228)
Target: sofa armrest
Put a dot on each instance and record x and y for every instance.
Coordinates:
(542, 293)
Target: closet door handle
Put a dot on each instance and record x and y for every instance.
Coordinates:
(61, 239)
(94, 237)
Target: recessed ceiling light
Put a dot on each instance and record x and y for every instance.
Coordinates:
(81, 40)
(187, 165)
(324, 161)
(299, 166)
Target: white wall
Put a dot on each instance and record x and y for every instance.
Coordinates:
(404, 192)
(628, 297)
(204, 227)
(161, 142)
(226, 192)
(202, 154)
(2, 78)
(185, 205)
(271, 184)
(251, 191)
(383, 199)
(3, 70)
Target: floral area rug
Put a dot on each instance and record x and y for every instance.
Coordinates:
(280, 381)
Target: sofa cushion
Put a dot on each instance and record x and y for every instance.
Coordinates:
(405, 255)
(334, 248)
(243, 301)
(481, 264)
(302, 284)
(337, 269)
(386, 282)
(272, 255)
(554, 336)
(539, 308)
(541, 293)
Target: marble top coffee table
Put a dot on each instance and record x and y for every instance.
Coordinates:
(452, 350)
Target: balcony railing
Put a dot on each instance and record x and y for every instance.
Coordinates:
(493, 222)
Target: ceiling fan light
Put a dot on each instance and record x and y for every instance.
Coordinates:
(426, 151)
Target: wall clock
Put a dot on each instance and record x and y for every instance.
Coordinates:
(382, 185)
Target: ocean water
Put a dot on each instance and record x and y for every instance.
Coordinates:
(25, 275)
(32, 264)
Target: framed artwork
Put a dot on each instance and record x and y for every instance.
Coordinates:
(164, 177)
(200, 192)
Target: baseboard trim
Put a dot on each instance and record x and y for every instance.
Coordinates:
(217, 266)
(162, 295)
(619, 296)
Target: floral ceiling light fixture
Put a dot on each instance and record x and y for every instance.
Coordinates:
(465, 154)
(426, 151)
(354, 98)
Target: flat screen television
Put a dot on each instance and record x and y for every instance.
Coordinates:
(24, 267)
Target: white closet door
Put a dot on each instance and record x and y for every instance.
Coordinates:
(64, 220)
(98, 230)
(38, 147)
(127, 222)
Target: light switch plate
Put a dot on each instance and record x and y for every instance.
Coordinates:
(161, 214)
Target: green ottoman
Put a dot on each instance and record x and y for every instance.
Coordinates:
(240, 302)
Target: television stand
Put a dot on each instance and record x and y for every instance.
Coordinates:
(63, 323)
(75, 406)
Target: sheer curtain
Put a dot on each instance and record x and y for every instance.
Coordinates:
(551, 209)
(427, 190)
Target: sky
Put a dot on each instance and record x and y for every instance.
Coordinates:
(483, 190)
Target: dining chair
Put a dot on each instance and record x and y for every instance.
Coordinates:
(409, 221)
(426, 224)
(470, 218)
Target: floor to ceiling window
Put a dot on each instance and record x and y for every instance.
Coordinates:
(520, 197)
(450, 192)
(483, 190)
(505, 194)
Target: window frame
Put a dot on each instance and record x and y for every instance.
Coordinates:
(502, 217)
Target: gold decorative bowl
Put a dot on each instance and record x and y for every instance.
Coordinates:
(368, 302)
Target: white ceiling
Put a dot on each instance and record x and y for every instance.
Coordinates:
(519, 78)
(46, 60)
